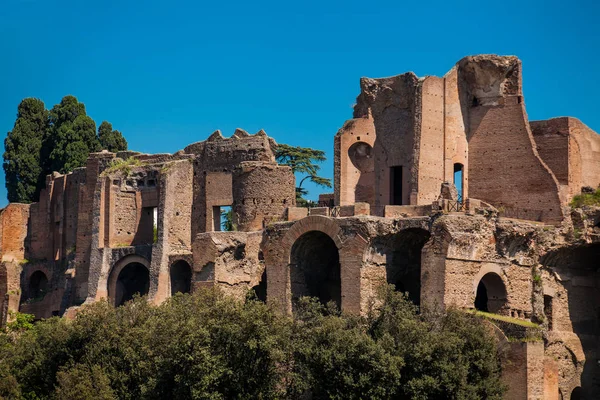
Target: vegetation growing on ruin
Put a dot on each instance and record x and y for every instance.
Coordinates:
(123, 166)
(303, 161)
(43, 141)
(210, 346)
(586, 199)
(506, 318)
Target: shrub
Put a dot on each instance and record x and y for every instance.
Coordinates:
(586, 199)
(210, 346)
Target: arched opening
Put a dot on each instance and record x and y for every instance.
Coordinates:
(403, 260)
(260, 290)
(491, 294)
(361, 156)
(576, 394)
(181, 277)
(133, 279)
(38, 285)
(458, 180)
(315, 268)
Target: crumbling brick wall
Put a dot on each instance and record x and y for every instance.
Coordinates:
(571, 150)
(501, 145)
(354, 162)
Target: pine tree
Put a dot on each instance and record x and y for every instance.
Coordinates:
(22, 165)
(111, 140)
(302, 160)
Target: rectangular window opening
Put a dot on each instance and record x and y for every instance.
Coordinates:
(458, 180)
(396, 178)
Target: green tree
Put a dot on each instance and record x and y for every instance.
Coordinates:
(83, 382)
(71, 137)
(303, 161)
(111, 140)
(22, 164)
(44, 141)
(211, 346)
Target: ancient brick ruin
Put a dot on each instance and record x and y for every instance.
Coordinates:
(443, 188)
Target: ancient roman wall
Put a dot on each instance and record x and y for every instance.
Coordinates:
(230, 261)
(129, 209)
(431, 147)
(354, 163)
(220, 155)
(89, 195)
(179, 206)
(552, 139)
(501, 145)
(261, 194)
(571, 303)
(456, 148)
(13, 231)
(392, 103)
(588, 143)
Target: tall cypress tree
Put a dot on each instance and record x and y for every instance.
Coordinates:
(71, 137)
(111, 140)
(22, 164)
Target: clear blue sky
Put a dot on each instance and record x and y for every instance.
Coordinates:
(169, 73)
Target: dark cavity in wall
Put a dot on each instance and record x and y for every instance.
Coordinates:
(315, 268)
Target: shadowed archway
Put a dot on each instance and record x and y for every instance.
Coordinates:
(130, 276)
(315, 268)
(491, 294)
(181, 277)
(37, 286)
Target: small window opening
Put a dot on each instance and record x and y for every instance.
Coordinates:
(396, 180)
(151, 182)
(458, 180)
(223, 218)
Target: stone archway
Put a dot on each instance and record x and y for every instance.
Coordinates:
(351, 248)
(129, 276)
(37, 285)
(401, 254)
(491, 294)
(315, 268)
(181, 277)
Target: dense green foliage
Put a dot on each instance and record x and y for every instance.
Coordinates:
(209, 346)
(586, 199)
(23, 146)
(303, 161)
(44, 141)
(111, 140)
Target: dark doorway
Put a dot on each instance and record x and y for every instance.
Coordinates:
(260, 290)
(481, 299)
(133, 279)
(181, 277)
(576, 394)
(396, 179)
(315, 268)
(403, 260)
(38, 285)
(491, 294)
(458, 180)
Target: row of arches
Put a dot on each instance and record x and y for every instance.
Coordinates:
(315, 269)
(133, 278)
